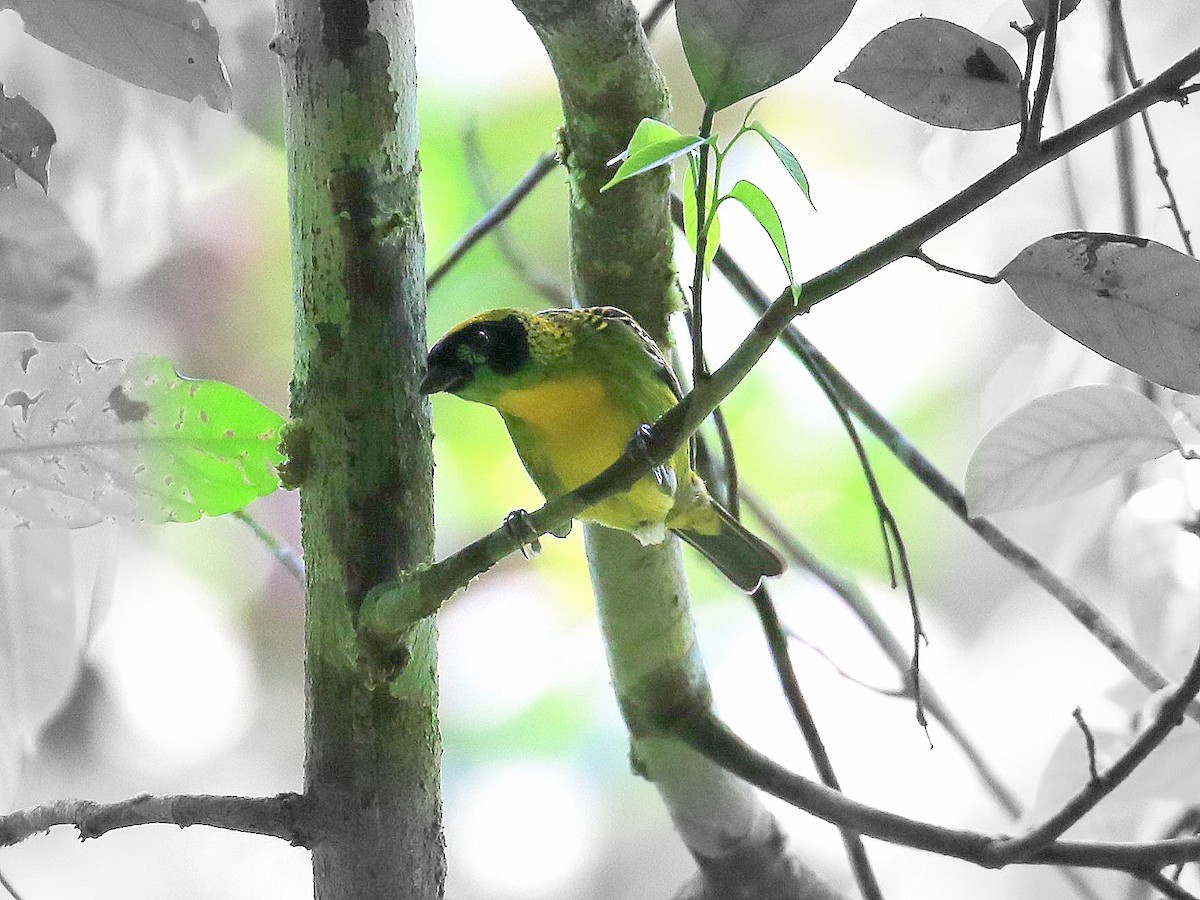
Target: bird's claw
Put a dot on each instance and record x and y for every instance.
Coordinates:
(517, 524)
(639, 448)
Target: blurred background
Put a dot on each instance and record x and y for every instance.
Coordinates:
(174, 240)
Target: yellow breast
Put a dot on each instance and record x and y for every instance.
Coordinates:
(574, 427)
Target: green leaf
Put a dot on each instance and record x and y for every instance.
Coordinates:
(123, 440)
(738, 49)
(653, 144)
(713, 241)
(785, 156)
(760, 206)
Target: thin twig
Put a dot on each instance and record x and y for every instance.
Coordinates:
(1122, 134)
(893, 541)
(732, 500)
(7, 885)
(945, 491)
(1170, 715)
(1030, 33)
(701, 730)
(287, 556)
(391, 608)
(1187, 823)
(1089, 741)
(493, 217)
(699, 373)
(477, 169)
(777, 643)
(920, 254)
(1167, 887)
(854, 598)
(1121, 39)
(537, 172)
(1032, 135)
(651, 19)
(1074, 203)
(285, 816)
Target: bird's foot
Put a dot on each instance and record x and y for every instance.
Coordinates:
(517, 524)
(639, 448)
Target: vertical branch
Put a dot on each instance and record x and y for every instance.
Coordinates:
(1120, 37)
(1031, 137)
(699, 371)
(622, 247)
(1122, 134)
(622, 252)
(361, 452)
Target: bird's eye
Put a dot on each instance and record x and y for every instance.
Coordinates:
(481, 338)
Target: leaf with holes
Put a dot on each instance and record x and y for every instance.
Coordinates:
(940, 73)
(738, 49)
(1063, 444)
(26, 138)
(1132, 300)
(162, 45)
(1038, 9)
(759, 205)
(124, 440)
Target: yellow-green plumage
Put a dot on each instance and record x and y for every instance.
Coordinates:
(573, 386)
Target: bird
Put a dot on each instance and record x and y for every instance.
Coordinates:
(574, 387)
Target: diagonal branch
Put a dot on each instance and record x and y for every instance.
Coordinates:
(389, 609)
(944, 489)
(704, 732)
(285, 816)
(1169, 716)
(777, 643)
(853, 597)
(494, 216)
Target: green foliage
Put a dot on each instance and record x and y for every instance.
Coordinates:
(787, 158)
(690, 229)
(653, 144)
(760, 206)
(210, 448)
(127, 441)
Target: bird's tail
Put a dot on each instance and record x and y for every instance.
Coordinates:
(742, 557)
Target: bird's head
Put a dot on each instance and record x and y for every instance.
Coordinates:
(483, 357)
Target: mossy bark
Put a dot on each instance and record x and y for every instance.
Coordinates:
(622, 254)
(621, 240)
(361, 448)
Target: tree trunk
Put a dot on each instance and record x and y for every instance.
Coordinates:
(361, 451)
(621, 254)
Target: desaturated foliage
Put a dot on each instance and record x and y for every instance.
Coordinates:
(130, 440)
(86, 442)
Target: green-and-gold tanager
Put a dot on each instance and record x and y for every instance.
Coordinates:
(573, 386)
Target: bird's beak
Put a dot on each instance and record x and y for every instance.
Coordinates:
(445, 377)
